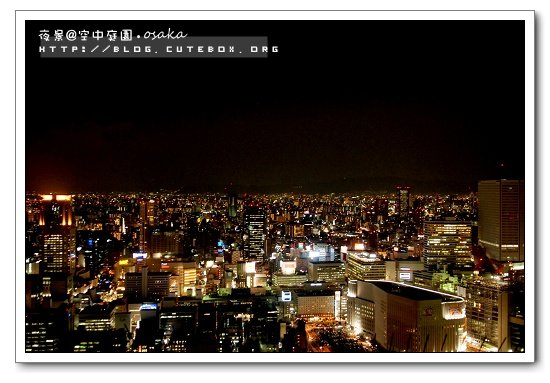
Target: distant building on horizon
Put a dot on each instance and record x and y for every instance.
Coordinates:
(232, 204)
(381, 210)
(403, 202)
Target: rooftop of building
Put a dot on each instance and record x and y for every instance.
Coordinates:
(488, 281)
(328, 263)
(179, 309)
(447, 221)
(296, 274)
(97, 309)
(364, 256)
(314, 293)
(150, 274)
(413, 292)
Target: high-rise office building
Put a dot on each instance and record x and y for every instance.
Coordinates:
(488, 312)
(312, 304)
(254, 223)
(502, 219)
(403, 202)
(331, 272)
(94, 248)
(148, 212)
(96, 318)
(148, 218)
(57, 247)
(178, 325)
(364, 266)
(166, 242)
(58, 243)
(447, 242)
(48, 330)
(292, 280)
(147, 285)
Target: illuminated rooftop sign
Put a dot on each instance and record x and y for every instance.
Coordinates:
(405, 276)
(286, 296)
(58, 197)
(148, 306)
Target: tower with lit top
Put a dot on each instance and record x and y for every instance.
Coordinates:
(58, 233)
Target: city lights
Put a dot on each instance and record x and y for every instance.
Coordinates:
(166, 272)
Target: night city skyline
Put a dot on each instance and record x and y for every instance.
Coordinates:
(360, 189)
(342, 106)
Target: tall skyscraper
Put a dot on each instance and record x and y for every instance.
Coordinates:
(148, 212)
(403, 202)
(502, 219)
(254, 223)
(148, 218)
(232, 205)
(58, 243)
(447, 242)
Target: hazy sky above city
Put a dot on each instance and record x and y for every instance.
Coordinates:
(437, 105)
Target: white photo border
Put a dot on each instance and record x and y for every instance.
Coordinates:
(527, 16)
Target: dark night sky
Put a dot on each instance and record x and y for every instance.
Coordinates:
(343, 105)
